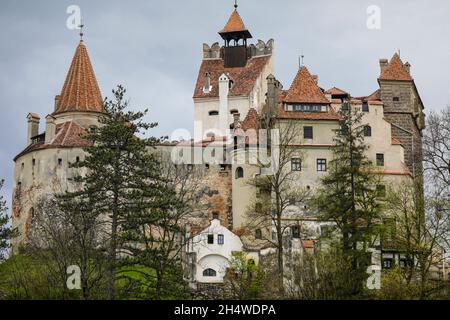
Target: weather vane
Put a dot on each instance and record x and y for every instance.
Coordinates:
(300, 59)
(81, 26)
(235, 4)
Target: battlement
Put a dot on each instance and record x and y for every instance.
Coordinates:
(261, 48)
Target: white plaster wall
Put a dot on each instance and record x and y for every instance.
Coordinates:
(214, 256)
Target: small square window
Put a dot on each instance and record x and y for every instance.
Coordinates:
(258, 234)
(308, 132)
(296, 164)
(365, 107)
(295, 232)
(321, 164)
(387, 263)
(274, 236)
(210, 239)
(220, 239)
(380, 159)
(396, 99)
(367, 131)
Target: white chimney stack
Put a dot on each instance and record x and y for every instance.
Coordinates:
(33, 126)
(50, 128)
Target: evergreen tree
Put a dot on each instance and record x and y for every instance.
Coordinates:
(6, 232)
(349, 195)
(121, 178)
(156, 238)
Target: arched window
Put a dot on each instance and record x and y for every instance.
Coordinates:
(367, 131)
(209, 272)
(214, 113)
(239, 173)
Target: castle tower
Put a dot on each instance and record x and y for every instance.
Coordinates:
(231, 79)
(42, 168)
(403, 108)
(235, 53)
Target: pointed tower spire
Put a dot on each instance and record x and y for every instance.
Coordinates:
(235, 35)
(80, 91)
(304, 89)
(395, 69)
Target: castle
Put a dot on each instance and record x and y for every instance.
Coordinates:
(236, 90)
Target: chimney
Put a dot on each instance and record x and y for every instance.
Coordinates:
(33, 126)
(207, 83)
(224, 88)
(408, 67)
(56, 101)
(272, 97)
(50, 128)
(383, 65)
(236, 117)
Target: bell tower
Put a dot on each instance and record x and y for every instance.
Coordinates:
(235, 53)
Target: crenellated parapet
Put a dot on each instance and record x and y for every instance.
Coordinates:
(261, 48)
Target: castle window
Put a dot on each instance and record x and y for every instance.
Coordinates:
(321, 164)
(59, 161)
(210, 239)
(396, 99)
(345, 106)
(207, 166)
(233, 111)
(33, 161)
(92, 129)
(215, 215)
(230, 84)
(274, 236)
(380, 159)
(220, 239)
(367, 131)
(387, 263)
(239, 173)
(77, 159)
(209, 272)
(258, 234)
(365, 107)
(296, 164)
(23, 165)
(295, 232)
(214, 113)
(308, 132)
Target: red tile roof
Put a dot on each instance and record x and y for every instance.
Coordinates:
(68, 135)
(308, 244)
(304, 89)
(244, 78)
(234, 24)
(251, 121)
(80, 91)
(396, 70)
(336, 91)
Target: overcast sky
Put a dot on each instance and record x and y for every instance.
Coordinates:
(154, 48)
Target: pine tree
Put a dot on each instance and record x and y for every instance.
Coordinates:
(349, 195)
(6, 232)
(121, 179)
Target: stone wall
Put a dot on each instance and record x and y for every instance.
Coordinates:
(407, 118)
